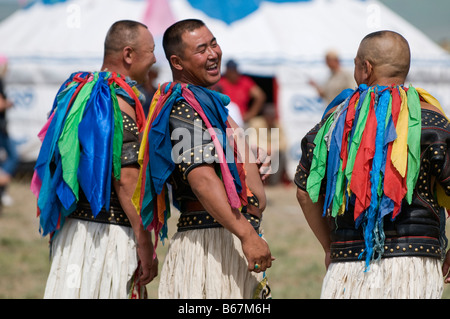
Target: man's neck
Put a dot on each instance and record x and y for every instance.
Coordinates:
(394, 81)
(108, 67)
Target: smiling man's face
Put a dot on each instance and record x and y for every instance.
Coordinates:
(201, 58)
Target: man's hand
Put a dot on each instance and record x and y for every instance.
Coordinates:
(257, 252)
(148, 259)
(263, 161)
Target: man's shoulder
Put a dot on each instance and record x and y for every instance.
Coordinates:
(427, 106)
(184, 112)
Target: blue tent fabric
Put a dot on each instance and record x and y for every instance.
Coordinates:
(45, 2)
(231, 10)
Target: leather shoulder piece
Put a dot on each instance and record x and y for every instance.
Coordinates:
(435, 147)
(192, 143)
(130, 147)
(307, 147)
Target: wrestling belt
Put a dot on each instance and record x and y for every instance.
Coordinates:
(393, 247)
(114, 215)
(194, 216)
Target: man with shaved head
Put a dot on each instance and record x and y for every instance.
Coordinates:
(383, 58)
(374, 179)
(88, 168)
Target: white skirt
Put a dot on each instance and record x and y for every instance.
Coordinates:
(208, 264)
(393, 278)
(92, 260)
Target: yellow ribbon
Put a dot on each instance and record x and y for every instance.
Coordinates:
(399, 156)
(136, 199)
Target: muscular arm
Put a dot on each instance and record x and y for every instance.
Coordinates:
(317, 223)
(125, 188)
(210, 191)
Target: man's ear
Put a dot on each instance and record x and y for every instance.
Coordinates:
(176, 62)
(368, 68)
(367, 71)
(127, 54)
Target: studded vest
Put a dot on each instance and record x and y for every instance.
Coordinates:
(192, 147)
(418, 229)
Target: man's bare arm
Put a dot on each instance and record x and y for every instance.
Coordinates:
(317, 223)
(210, 191)
(125, 188)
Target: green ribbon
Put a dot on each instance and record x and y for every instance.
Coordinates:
(68, 143)
(118, 134)
(414, 134)
(319, 162)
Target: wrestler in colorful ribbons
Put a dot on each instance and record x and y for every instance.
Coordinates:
(151, 195)
(74, 152)
(378, 130)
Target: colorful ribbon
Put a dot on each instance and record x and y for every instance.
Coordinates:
(151, 194)
(371, 137)
(81, 146)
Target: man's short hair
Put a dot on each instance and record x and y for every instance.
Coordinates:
(172, 38)
(121, 34)
(394, 56)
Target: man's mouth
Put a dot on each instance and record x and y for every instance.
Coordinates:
(212, 67)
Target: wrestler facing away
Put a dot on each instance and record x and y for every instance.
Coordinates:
(369, 69)
(132, 55)
(197, 61)
(383, 58)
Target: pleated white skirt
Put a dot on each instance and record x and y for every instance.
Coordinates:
(207, 264)
(393, 278)
(92, 260)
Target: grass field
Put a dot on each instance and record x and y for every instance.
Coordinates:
(296, 274)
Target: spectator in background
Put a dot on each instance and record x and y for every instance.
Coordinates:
(271, 141)
(148, 88)
(242, 90)
(9, 161)
(338, 81)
